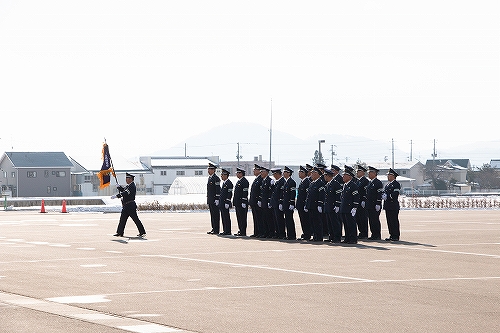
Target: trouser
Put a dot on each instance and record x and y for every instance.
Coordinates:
(334, 226)
(267, 222)
(317, 223)
(362, 222)
(226, 220)
(129, 210)
(350, 228)
(241, 217)
(257, 220)
(279, 226)
(392, 217)
(374, 220)
(214, 217)
(290, 224)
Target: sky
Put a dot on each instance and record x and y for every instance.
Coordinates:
(147, 75)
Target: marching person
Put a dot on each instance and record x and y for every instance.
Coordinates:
(348, 206)
(129, 207)
(374, 202)
(391, 205)
(226, 193)
(276, 205)
(305, 181)
(288, 203)
(213, 193)
(361, 215)
(240, 202)
(254, 198)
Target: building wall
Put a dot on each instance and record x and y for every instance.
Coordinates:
(46, 182)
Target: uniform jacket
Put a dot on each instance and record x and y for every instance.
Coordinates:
(255, 191)
(313, 200)
(362, 184)
(289, 193)
(374, 194)
(213, 188)
(392, 191)
(265, 192)
(226, 193)
(302, 192)
(127, 193)
(333, 190)
(240, 193)
(350, 197)
(277, 192)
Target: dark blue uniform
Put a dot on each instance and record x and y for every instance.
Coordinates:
(391, 207)
(240, 199)
(256, 210)
(313, 201)
(279, 215)
(265, 204)
(213, 192)
(129, 209)
(288, 204)
(333, 190)
(301, 203)
(373, 205)
(226, 193)
(349, 200)
(361, 215)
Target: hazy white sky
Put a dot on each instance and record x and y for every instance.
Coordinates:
(149, 74)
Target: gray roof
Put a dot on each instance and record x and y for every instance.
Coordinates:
(39, 160)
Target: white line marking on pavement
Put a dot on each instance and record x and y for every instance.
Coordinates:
(149, 328)
(446, 251)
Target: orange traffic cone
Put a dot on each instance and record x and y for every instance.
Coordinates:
(64, 206)
(43, 207)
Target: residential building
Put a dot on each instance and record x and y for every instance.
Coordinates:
(449, 170)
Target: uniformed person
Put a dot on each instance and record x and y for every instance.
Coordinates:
(348, 205)
(288, 203)
(361, 214)
(240, 202)
(254, 198)
(226, 193)
(314, 205)
(305, 181)
(391, 205)
(129, 207)
(374, 202)
(213, 192)
(332, 203)
(338, 177)
(265, 203)
(276, 197)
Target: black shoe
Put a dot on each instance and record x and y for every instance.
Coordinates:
(253, 236)
(373, 238)
(211, 232)
(118, 235)
(390, 239)
(363, 237)
(141, 235)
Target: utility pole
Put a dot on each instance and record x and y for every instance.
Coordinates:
(411, 150)
(392, 153)
(185, 149)
(238, 155)
(271, 134)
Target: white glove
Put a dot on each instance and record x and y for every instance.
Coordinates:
(306, 210)
(259, 203)
(216, 202)
(377, 208)
(320, 209)
(291, 207)
(384, 196)
(226, 206)
(280, 207)
(113, 196)
(337, 209)
(353, 212)
(243, 205)
(269, 206)
(363, 204)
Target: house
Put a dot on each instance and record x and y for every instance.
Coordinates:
(448, 170)
(495, 164)
(164, 170)
(36, 174)
(411, 174)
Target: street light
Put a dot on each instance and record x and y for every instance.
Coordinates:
(319, 150)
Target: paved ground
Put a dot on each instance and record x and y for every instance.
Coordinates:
(66, 272)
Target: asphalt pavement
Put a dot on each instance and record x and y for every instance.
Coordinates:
(67, 273)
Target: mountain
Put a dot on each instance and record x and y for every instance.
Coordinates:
(286, 148)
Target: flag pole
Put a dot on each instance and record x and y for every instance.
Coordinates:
(111, 163)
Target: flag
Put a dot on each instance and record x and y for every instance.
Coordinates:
(106, 169)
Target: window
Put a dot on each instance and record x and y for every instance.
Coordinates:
(163, 173)
(87, 179)
(180, 172)
(46, 173)
(48, 189)
(31, 174)
(198, 172)
(60, 173)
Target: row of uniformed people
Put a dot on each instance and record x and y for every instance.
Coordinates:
(325, 201)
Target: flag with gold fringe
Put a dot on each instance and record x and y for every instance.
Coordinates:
(106, 169)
